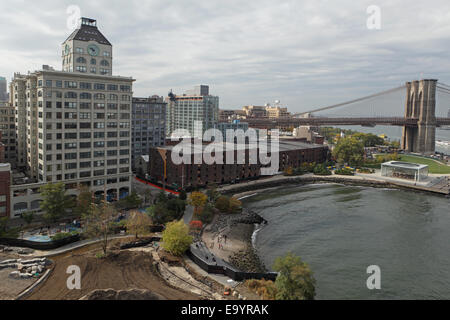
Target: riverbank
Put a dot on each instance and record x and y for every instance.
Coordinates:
(235, 232)
(240, 228)
(244, 189)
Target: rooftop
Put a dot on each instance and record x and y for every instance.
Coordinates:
(88, 32)
(407, 165)
(283, 146)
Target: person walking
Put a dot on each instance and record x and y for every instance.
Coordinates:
(225, 238)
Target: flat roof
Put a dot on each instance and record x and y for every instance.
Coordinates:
(283, 146)
(405, 165)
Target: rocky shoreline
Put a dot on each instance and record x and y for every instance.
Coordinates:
(239, 228)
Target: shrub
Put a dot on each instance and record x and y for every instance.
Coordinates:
(196, 224)
(222, 203)
(176, 238)
(63, 235)
(264, 288)
(234, 205)
(289, 171)
(321, 170)
(344, 171)
(205, 214)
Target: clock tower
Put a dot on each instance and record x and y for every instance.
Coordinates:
(87, 50)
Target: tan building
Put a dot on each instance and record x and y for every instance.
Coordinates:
(277, 112)
(8, 131)
(75, 125)
(255, 111)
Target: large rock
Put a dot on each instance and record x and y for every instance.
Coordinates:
(132, 294)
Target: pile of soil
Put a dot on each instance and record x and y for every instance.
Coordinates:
(120, 270)
(111, 294)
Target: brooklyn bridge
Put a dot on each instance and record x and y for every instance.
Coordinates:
(419, 119)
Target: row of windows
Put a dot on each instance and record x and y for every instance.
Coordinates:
(81, 51)
(96, 153)
(85, 164)
(93, 61)
(84, 85)
(81, 135)
(85, 115)
(84, 105)
(88, 125)
(85, 95)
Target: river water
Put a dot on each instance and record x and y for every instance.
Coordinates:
(341, 230)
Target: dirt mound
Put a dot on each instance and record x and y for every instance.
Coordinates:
(120, 270)
(132, 294)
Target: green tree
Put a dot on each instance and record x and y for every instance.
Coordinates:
(183, 195)
(176, 238)
(99, 222)
(84, 201)
(349, 150)
(197, 199)
(368, 139)
(28, 217)
(222, 203)
(131, 201)
(55, 202)
(138, 223)
(295, 280)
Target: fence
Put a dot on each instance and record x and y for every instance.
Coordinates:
(228, 271)
(39, 245)
(139, 243)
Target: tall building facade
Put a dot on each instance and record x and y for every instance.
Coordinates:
(3, 90)
(195, 105)
(74, 125)
(148, 125)
(8, 131)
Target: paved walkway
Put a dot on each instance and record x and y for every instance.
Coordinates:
(188, 214)
(72, 246)
(371, 178)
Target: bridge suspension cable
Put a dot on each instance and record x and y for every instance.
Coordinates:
(353, 101)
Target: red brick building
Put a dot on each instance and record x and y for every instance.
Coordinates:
(291, 153)
(5, 183)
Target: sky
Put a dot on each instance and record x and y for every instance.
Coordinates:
(305, 53)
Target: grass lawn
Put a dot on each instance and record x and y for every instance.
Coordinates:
(433, 166)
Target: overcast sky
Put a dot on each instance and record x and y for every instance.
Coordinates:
(306, 53)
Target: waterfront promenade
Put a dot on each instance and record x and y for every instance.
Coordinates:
(245, 188)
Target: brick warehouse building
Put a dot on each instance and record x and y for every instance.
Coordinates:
(291, 153)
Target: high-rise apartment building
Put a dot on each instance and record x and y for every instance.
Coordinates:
(8, 131)
(3, 88)
(75, 125)
(195, 105)
(148, 125)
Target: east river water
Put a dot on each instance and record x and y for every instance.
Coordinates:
(341, 230)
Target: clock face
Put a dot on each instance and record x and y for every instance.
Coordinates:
(93, 50)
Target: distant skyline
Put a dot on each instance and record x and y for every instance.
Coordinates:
(306, 54)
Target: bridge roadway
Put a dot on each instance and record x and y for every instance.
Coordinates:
(266, 123)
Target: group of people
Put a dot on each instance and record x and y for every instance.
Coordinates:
(219, 241)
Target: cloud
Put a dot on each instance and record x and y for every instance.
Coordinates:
(305, 53)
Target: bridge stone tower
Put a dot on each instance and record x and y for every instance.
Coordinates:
(420, 105)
